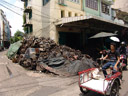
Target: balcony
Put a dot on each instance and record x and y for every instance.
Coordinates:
(62, 2)
(28, 9)
(28, 22)
(23, 0)
(111, 2)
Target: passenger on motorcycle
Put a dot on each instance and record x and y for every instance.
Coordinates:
(114, 57)
(122, 48)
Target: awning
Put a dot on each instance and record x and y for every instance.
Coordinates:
(87, 17)
(102, 34)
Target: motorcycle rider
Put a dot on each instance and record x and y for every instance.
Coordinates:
(122, 48)
(114, 57)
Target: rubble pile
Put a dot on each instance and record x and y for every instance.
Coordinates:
(45, 55)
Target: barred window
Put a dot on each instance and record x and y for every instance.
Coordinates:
(76, 1)
(93, 4)
(105, 8)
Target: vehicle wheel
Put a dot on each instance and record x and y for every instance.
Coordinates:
(115, 89)
(120, 70)
(84, 90)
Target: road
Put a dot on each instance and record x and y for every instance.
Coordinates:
(17, 81)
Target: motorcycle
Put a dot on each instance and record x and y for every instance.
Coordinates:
(123, 61)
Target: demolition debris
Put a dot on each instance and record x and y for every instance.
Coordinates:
(45, 55)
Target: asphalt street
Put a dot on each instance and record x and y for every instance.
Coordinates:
(17, 81)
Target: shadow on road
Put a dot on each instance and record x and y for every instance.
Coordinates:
(90, 93)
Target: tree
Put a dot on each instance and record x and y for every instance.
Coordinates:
(17, 36)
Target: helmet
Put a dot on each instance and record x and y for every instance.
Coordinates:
(123, 43)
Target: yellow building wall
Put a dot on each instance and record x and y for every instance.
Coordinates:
(74, 8)
(44, 17)
(55, 14)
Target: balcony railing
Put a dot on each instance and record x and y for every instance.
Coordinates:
(28, 9)
(62, 2)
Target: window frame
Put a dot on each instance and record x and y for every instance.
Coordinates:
(92, 4)
(107, 10)
(30, 14)
(62, 14)
(75, 1)
(69, 14)
(45, 2)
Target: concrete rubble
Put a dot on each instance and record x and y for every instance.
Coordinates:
(43, 54)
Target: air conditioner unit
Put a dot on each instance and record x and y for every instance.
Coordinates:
(62, 2)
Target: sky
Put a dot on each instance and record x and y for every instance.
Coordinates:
(15, 20)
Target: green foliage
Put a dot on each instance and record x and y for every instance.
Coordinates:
(17, 36)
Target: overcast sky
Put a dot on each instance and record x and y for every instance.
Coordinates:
(15, 20)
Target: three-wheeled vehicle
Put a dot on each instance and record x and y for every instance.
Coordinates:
(109, 86)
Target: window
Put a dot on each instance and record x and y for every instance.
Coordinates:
(69, 14)
(29, 29)
(62, 2)
(105, 8)
(45, 2)
(93, 4)
(26, 3)
(76, 14)
(62, 13)
(30, 14)
(76, 1)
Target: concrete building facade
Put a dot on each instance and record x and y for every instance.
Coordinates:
(41, 16)
(5, 31)
(71, 22)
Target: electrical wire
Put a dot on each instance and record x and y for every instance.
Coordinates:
(42, 15)
(10, 10)
(11, 4)
(22, 15)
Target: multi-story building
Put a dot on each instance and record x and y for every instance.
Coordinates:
(70, 22)
(41, 15)
(100, 8)
(121, 9)
(5, 31)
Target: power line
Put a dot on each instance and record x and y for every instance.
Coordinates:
(22, 15)
(44, 15)
(11, 4)
(10, 10)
